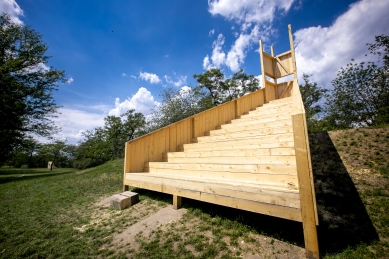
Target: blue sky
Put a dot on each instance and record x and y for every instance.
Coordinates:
(121, 54)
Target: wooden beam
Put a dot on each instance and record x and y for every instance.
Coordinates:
(263, 70)
(305, 185)
(286, 89)
(177, 202)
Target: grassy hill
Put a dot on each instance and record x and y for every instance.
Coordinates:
(59, 214)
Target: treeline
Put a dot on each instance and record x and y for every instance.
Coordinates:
(359, 98)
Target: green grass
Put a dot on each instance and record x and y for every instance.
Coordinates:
(52, 214)
(40, 210)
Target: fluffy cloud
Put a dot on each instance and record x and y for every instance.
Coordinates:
(254, 18)
(211, 32)
(12, 8)
(218, 56)
(73, 122)
(180, 80)
(142, 102)
(152, 78)
(321, 51)
(249, 11)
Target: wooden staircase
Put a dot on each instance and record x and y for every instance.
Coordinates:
(251, 153)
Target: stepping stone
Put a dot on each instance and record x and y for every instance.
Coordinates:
(124, 200)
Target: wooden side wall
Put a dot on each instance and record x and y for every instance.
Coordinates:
(149, 148)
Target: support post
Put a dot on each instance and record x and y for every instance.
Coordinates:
(306, 187)
(263, 71)
(177, 202)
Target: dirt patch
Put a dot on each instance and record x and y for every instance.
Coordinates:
(145, 227)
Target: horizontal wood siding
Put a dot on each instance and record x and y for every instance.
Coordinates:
(150, 147)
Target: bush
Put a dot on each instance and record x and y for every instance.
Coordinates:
(24, 166)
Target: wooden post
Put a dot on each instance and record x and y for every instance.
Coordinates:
(263, 71)
(304, 172)
(177, 202)
(274, 72)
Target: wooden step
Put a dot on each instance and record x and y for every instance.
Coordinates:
(230, 145)
(264, 160)
(267, 112)
(286, 180)
(252, 130)
(236, 152)
(262, 118)
(243, 126)
(256, 138)
(232, 168)
(277, 195)
(282, 100)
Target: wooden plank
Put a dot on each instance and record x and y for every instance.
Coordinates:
(274, 194)
(269, 160)
(284, 180)
(234, 146)
(262, 54)
(242, 168)
(263, 208)
(287, 88)
(308, 215)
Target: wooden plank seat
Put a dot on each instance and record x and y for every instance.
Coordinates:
(262, 198)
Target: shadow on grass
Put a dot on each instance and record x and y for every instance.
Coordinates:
(343, 219)
(29, 176)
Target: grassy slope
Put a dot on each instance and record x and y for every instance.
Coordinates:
(50, 215)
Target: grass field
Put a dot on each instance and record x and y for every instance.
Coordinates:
(57, 214)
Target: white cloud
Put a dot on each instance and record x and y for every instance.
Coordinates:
(142, 101)
(124, 75)
(321, 51)
(254, 18)
(211, 32)
(70, 80)
(152, 78)
(256, 11)
(73, 122)
(180, 80)
(13, 9)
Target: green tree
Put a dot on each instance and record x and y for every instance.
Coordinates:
(26, 85)
(312, 95)
(221, 89)
(361, 91)
(53, 151)
(178, 104)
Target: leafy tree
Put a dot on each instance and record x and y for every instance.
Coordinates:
(223, 89)
(361, 91)
(104, 143)
(26, 85)
(238, 85)
(178, 104)
(53, 151)
(213, 81)
(311, 95)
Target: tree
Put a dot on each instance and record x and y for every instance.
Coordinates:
(178, 104)
(223, 89)
(311, 95)
(26, 85)
(361, 91)
(53, 151)
(213, 81)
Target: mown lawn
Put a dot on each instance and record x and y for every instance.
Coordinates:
(55, 214)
